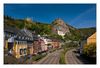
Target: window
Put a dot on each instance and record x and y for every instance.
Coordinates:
(21, 51)
(11, 35)
(23, 42)
(22, 37)
(6, 35)
(25, 51)
(16, 42)
(19, 42)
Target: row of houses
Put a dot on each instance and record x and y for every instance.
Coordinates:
(24, 42)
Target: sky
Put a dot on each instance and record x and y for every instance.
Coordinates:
(77, 15)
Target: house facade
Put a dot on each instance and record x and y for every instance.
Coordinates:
(55, 43)
(29, 34)
(39, 45)
(16, 42)
(92, 39)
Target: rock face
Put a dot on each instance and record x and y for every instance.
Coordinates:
(59, 27)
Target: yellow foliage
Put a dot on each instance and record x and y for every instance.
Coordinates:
(90, 50)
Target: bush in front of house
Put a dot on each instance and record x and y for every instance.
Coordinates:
(90, 50)
(10, 60)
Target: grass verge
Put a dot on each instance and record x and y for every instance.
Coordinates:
(62, 58)
(62, 55)
(35, 58)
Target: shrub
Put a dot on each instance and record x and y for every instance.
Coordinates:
(69, 45)
(10, 60)
(38, 57)
(90, 50)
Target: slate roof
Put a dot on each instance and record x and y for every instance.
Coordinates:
(16, 32)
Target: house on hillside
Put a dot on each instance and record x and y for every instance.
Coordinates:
(57, 30)
(59, 27)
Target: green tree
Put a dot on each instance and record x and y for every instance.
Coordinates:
(90, 50)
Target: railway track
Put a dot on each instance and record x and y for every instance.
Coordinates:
(74, 58)
(71, 57)
(52, 58)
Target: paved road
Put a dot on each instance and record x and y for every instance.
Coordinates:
(72, 57)
(52, 58)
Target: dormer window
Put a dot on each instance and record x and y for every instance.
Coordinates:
(6, 35)
(19, 37)
(15, 36)
(16, 42)
(9, 35)
(26, 38)
(22, 37)
(31, 39)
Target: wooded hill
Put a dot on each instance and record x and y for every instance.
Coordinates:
(86, 32)
(38, 27)
(46, 29)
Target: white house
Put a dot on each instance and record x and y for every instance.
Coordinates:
(61, 33)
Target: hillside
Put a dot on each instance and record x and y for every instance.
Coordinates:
(69, 32)
(38, 27)
(86, 32)
(60, 25)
